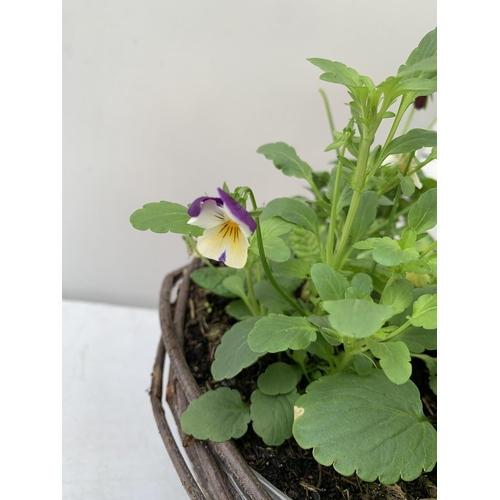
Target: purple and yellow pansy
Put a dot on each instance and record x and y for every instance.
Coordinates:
(227, 228)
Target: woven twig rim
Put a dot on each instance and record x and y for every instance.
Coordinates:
(210, 483)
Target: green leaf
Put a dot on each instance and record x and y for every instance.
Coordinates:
(304, 243)
(295, 211)
(365, 244)
(233, 353)
(401, 318)
(357, 318)
(366, 425)
(274, 247)
(425, 312)
(335, 144)
(356, 293)
(423, 215)
(279, 378)
(276, 333)
(394, 359)
(275, 226)
(297, 268)
(344, 189)
(269, 297)
(417, 267)
(408, 238)
(217, 415)
(238, 309)
(407, 185)
(423, 86)
(365, 215)
(363, 364)
(432, 262)
(285, 159)
(427, 49)
(419, 340)
(363, 281)
(332, 337)
(235, 284)
(162, 217)
(398, 295)
(428, 65)
(272, 416)
(412, 141)
(288, 283)
(321, 347)
(330, 284)
(387, 252)
(211, 278)
(337, 72)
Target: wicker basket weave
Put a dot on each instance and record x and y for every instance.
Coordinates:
(220, 472)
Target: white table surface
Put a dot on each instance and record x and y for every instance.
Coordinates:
(111, 446)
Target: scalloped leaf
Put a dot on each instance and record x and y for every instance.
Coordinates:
(357, 318)
(164, 217)
(394, 359)
(277, 332)
(330, 284)
(425, 312)
(366, 425)
(304, 244)
(398, 295)
(279, 378)
(426, 49)
(233, 353)
(388, 252)
(295, 211)
(274, 248)
(423, 215)
(286, 159)
(238, 309)
(218, 415)
(419, 339)
(211, 278)
(272, 416)
(413, 140)
(337, 72)
(365, 215)
(296, 268)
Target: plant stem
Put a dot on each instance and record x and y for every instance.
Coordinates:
(329, 115)
(253, 299)
(408, 121)
(429, 249)
(401, 329)
(346, 359)
(403, 106)
(432, 123)
(265, 265)
(333, 213)
(315, 189)
(359, 181)
(395, 203)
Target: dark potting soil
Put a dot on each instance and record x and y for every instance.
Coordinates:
(290, 468)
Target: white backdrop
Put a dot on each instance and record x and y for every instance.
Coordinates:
(166, 100)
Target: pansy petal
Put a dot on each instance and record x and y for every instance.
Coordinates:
(196, 207)
(237, 213)
(225, 243)
(210, 215)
